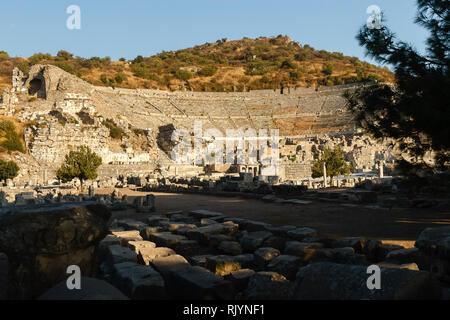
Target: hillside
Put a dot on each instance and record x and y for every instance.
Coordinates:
(262, 63)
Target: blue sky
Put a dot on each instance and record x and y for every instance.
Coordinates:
(118, 28)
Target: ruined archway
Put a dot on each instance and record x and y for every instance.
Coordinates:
(37, 87)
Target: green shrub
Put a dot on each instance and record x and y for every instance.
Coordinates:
(327, 69)
(24, 67)
(4, 55)
(119, 78)
(114, 131)
(8, 170)
(183, 75)
(208, 71)
(12, 140)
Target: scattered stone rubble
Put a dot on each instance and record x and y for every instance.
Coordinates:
(202, 254)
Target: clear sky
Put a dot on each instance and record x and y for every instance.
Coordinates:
(127, 28)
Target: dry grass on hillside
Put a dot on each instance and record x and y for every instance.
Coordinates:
(262, 63)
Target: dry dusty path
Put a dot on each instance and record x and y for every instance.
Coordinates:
(393, 226)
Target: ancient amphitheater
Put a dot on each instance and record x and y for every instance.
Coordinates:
(306, 119)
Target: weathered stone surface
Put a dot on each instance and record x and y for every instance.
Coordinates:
(285, 265)
(147, 255)
(188, 248)
(372, 250)
(103, 245)
(165, 265)
(137, 245)
(203, 234)
(275, 242)
(91, 289)
(301, 233)
(263, 256)
(207, 222)
(435, 242)
(302, 249)
(410, 255)
(129, 235)
(129, 224)
(166, 239)
(201, 214)
(117, 254)
(41, 242)
(332, 281)
(138, 281)
(267, 286)
(357, 243)
(253, 240)
(146, 232)
(385, 249)
(230, 247)
(197, 283)
(246, 260)
(252, 226)
(240, 278)
(409, 266)
(338, 255)
(281, 231)
(181, 228)
(199, 260)
(222, 264)
(216, 239)
(155, 220)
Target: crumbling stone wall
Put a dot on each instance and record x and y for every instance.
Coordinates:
(307, 117)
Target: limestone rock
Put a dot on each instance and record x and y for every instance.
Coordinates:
(357, 243)
(253, 240)
(137, 245)
(222, 265)
(117, 254)
(166, 239)
(230, 247)
(42, 241)
(285, 265)
(267, 286)
(197, 283)
(240, 278)
(301, 233)
(203, 234)
(263, 256)
(331, 281)
(139, 282)
(147, 255)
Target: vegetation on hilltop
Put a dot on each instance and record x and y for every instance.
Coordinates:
(262, 63)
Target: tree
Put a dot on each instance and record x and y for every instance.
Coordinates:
(81, 164)
(335, 163)
(64, 54)
(8, 170)
(416, 111)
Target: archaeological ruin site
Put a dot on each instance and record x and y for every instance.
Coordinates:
(154, 228)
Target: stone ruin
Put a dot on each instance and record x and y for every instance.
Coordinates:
(64, 112)
(202, 254)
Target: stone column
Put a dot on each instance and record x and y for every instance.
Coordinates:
(324, 175)
(381, 169)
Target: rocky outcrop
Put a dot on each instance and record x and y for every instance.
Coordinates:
(41, 243)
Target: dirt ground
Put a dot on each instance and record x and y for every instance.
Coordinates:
(397, 226)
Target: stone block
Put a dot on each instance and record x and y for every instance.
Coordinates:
(139, 282)
(267, 286)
